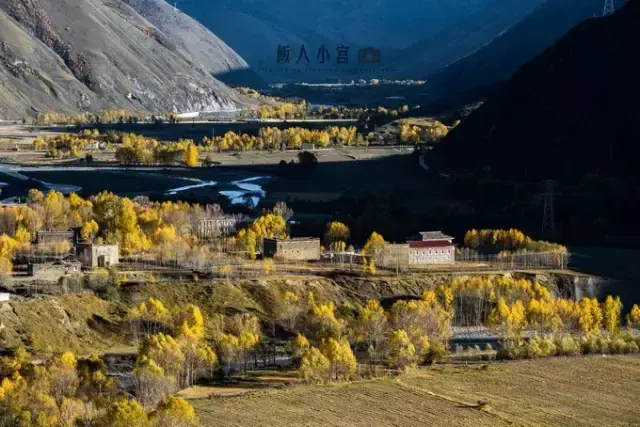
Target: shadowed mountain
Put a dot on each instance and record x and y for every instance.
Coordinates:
(87, 55)
(571, 111)
(409, 34)
(498, 60)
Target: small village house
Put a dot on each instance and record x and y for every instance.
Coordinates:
(296, 249)
(94, 255)
(431, 247)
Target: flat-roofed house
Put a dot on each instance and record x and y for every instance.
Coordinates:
(98, 255)
(431, 247)
(295, 249)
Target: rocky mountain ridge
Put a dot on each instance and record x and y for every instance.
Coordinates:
(72, 56)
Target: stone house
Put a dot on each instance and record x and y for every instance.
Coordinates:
(296, 249)
(98, 255)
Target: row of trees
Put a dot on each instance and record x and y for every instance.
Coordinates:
(103, 117)
(273, 138)
(131, 149)
(138, 150)
(67, 145)
(433, 132)
(512, 240)
(568, 327)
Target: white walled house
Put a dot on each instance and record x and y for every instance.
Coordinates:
(431, 247)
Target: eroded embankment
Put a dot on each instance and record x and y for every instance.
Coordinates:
(87, 324)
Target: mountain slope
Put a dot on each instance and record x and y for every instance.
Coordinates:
(463, 36)
(88, 55)
(571, 111)
(195, 41)
(498, 60)
(449, 30)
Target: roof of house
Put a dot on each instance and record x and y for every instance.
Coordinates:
(293, 239)
(72, 259)
(434, 235)
(427, 244)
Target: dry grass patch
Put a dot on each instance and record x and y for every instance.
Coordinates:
(585, 391)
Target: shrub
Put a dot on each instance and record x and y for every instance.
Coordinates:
(539, 346)
(568, 346)
(618, 346)
(633, 347)
(604, 344)
(589, 344)
(437, 350)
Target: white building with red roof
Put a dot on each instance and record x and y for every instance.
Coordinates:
(431, 247)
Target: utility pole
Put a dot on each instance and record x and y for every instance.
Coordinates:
(609, 8)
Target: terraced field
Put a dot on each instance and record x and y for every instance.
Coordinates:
(586, 391)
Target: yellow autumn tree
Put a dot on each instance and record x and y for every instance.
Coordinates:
(402, 353)
(89, 230)
(509, 319)
(342, 362)
(191, 156)
(323, 322)
(8, 246)
(612, 314)
(247, 241)
(165, 351)
(151, 315)
(173, 412)
(189, 320)
(270, 225)
(314, 365)
(124, 413)
(300, 345)
(590, 316)
(426, 322)
(336, 232)
(371, 328)
(246, 328)
(23, 237)
(633, 318)
(150, 382)
(374, 245)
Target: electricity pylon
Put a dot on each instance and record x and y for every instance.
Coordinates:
(609, 8)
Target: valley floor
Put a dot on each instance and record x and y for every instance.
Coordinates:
(584, 391)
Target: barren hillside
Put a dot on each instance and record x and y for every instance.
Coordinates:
(88, 55)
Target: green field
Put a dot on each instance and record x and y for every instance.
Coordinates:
(586, 391)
